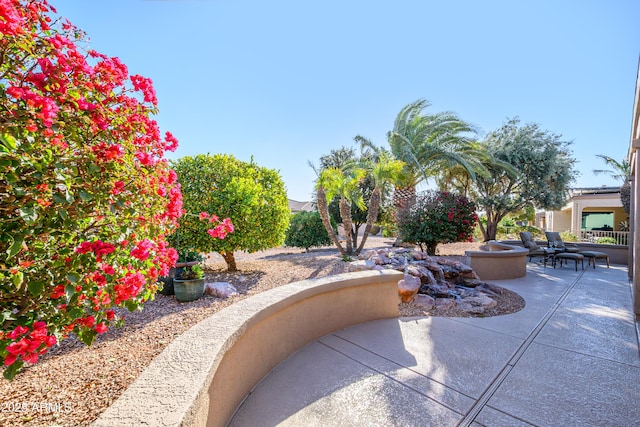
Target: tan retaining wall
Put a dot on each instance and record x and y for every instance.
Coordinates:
(498, 261)
(204, 374)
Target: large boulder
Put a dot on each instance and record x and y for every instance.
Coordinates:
(408, 287)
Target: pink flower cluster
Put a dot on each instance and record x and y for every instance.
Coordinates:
(221, 230)
(129, 286)
(223, 227)
(145, 85)
(10, 20)
(31, 344)
(142, 249)
(99, 248)
(47, 107)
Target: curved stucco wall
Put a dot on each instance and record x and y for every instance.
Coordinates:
(204, 374)
(498, 261)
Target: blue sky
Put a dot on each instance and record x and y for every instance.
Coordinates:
(287, 81)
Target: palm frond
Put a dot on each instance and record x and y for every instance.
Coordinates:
(619, 170)
(428, 143)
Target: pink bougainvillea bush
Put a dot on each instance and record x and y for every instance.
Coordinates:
(86, 195)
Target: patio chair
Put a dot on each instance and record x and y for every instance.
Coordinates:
(534, 250)
(555, 241)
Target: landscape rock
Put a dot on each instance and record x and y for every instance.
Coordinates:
(361, 265)
(432, 283)
(408, 287)
(220, 289)
(445, 303)
(382, 260)
(414, 270)
(369, 254)
(481, 300)
(496, 290)
(440, 290)
(424, 302)
(473, 283)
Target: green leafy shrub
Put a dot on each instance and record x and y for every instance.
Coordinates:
(438, 217)
(253, 197)
(191, 272)
(568, 237)
(509, 229)
(607, 241)
(388, 232)
(306, 230)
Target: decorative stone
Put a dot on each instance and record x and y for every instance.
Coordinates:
(220, 289)
(440, 290)
(496, 290)
(445, 303)
(361, 265)
(383, 260)
(427, 276)
(414, 271)
(481, 300)
(466, 293)
(472, 283)
(368, 254)
(463, 268)
(436, 270)
(449, 272)
(424, 302)
(408, 287)
(465, 306)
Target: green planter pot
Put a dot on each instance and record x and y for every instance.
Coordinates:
(167, 282)
(188, 290)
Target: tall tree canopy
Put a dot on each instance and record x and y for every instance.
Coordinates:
(525, 165)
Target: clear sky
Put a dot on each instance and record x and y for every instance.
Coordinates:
(287, 81)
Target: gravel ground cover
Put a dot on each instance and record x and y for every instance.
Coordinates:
(74, 384)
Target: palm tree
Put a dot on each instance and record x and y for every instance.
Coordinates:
(323, 210)
(384, 171)
(620, 171)
(344, 184)
(429, 143)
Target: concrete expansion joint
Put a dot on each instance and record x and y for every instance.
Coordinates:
(481, 402)
(390, 377)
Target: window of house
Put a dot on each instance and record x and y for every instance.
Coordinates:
(597, 220)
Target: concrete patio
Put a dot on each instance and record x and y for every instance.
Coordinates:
(569, 358)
